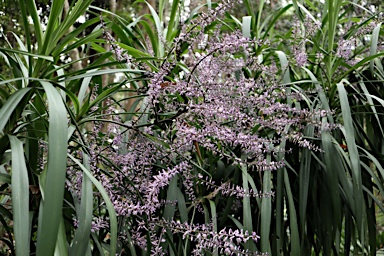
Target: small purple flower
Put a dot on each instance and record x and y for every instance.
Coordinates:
(344, 49)
(301, 58)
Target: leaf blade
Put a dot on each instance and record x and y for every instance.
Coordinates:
(20, 197)
(52, 186)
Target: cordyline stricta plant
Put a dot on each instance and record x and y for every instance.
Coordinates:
(212, 119)
(207, 145)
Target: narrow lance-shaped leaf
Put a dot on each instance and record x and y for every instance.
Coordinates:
(353, 154)
(159, 30)
(266, 212)
(31, 7)
(10, 105)
(81, 240)
(53, 185)
(331, 158)
(214, 220)
(37, 56)
(61, 247)
(293, 224)
(374, 42)
(247, 210)
(77, 10)
(172, 18)
(108, 203)
(246, 26)
(20, 197)
(286, 74)
(52, 24)
(304, 179)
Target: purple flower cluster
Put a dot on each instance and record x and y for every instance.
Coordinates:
(121, 54)
(226, 242)
(212, 106)
(348, 42)
(239, 192)
(225, 110)
(345, 48)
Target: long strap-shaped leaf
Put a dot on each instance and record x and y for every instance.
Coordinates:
(49, 58)
(374, 43)
(108, 203)
(354, 156)
(159, 29)
(53, 184)
(172, 24)
(10, 105)
(332, 162)
(247, 210)
(266, 212)
(293, 224)
(30, 5)
(82, 235)
(20, 197)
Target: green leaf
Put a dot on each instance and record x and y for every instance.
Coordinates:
(32, 11)
(214, 220)
(5, 178)
(330, 156)
(135, 52)
(61, 242)
(84, 87)
(52, 186)
(23, 48)
(99, 246)
(10, 105)
(169, 210)
(284, 67)
(254, 188)
(81, 239)
(66, 43)
(374, 42)
(375, 161)
(372, 106)
(37, 56)
(182, 206)
(109, 205)
(247, 210)
(304, 179)
(266, 212)
(258, 26)
(52, 24)
(246, 26)
(159, 29)
(237, 223)
(172, 24)
(20, 197)
(101, 72)
(360, 64)
(353, 155)
(322, 95)
(293, 225)
(75, 12)
(279, 234)
(276, 16)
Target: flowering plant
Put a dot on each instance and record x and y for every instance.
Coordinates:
(210, 114)
(220, 136)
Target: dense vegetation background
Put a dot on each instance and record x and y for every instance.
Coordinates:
(204, 128)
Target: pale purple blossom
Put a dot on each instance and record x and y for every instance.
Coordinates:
(344, 49)
(211, 109)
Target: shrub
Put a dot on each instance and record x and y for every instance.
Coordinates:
(216, 140)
